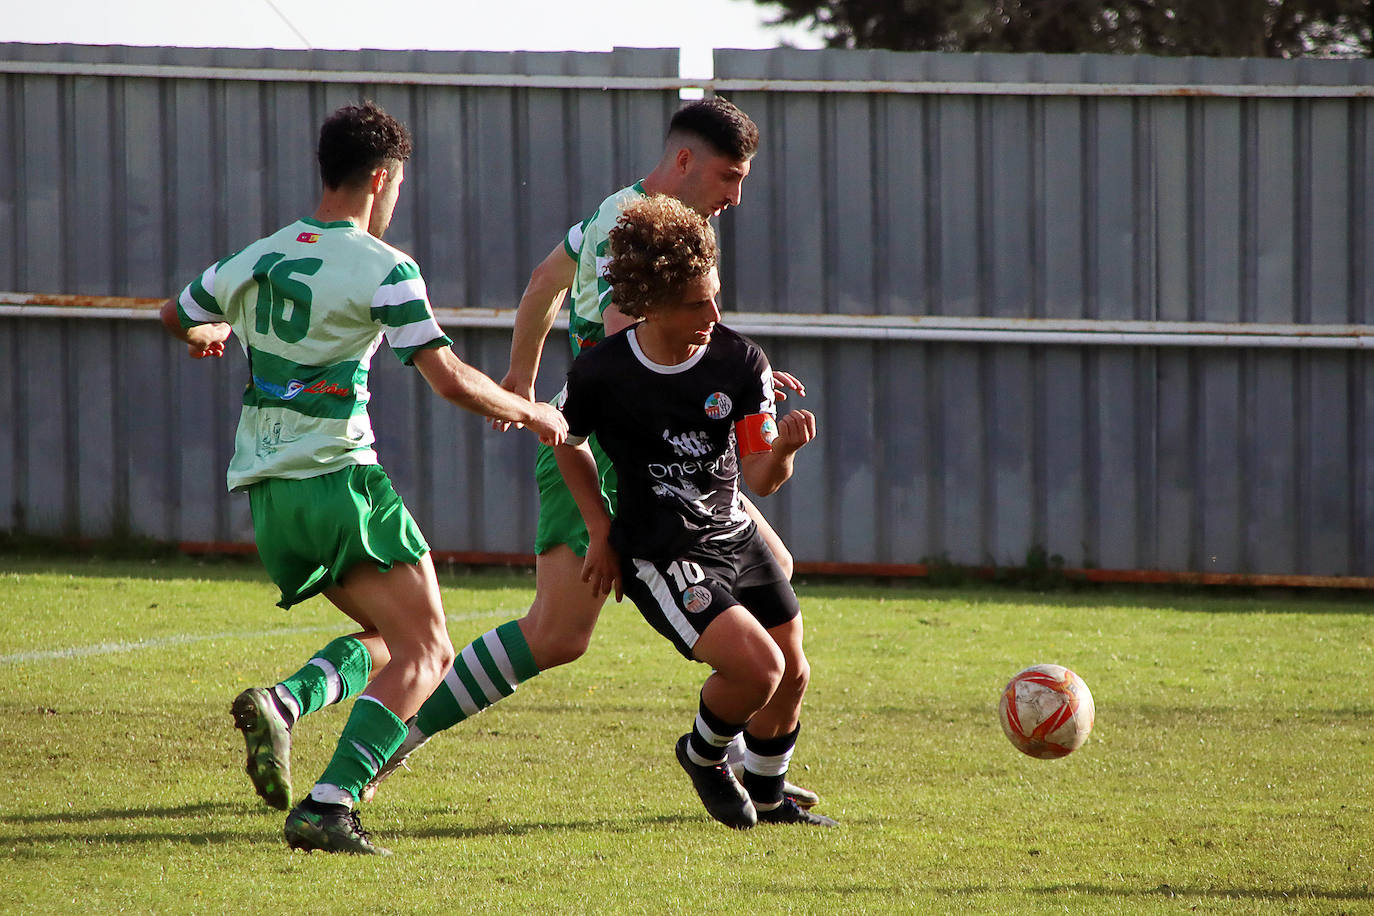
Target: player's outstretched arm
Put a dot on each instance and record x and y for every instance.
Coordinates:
(201, 340)
(601, 568)
(457, 382)
(539, 304)
(765, 472)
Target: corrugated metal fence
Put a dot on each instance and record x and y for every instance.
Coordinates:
(1111, 309)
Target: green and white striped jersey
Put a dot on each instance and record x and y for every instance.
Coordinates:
(310, 304)
(588, 243)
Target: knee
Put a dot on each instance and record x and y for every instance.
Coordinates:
(761, 677)
(436, 657)
(557, 639)
(559, 650)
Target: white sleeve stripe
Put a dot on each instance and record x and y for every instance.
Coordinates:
(399, 293)
(191, 307)
(413, 334)
(193, 310)
(769, 404)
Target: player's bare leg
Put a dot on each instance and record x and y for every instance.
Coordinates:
(560, 622)
(748, 666)
(402, 605)
(735, 752)
(266, 715)
(555, 631)
(755, 666)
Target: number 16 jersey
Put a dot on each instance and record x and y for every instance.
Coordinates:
(310, 305)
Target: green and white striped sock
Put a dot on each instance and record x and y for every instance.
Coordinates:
(488, 669)
(336, 673)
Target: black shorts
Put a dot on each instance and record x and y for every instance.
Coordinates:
(679, 598)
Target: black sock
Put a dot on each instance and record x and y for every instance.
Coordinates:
(711, 735)
(771, 756)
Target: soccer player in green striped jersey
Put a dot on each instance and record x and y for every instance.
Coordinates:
(310, 305)
(705, 159)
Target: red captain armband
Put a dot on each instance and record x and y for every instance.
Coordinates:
(756, 433)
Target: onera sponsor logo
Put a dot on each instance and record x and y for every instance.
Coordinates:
(308, 238)
(722, 466)
(696, 599)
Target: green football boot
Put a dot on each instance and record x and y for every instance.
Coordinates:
(268, 740)
(314, 825)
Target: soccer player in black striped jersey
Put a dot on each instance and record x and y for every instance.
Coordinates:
(684, 408)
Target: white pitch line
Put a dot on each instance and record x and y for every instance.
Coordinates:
(164, 642)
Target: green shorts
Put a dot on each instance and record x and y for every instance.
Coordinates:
(310, 532)
(559, 520)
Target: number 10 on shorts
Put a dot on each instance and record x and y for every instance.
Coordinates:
(685, 573)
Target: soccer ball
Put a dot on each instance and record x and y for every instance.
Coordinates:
(1046, 711)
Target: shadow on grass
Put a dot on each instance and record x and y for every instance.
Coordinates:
(602, 825)
(206, 813)
(1293, 894)
(200, 809)
(87, 834)
(1170, 891)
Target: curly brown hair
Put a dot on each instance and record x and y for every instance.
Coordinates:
(357, 139)
(658, 246)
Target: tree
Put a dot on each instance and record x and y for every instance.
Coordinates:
(1213, 28)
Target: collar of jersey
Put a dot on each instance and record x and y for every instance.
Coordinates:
(337, 224)
(649, 364)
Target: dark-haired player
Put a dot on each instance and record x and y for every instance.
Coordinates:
(310, 305)
(684, 408)
(706, 157)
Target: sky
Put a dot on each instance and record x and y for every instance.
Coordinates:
(695, 26)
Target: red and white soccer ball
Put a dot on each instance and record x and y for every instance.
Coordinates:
(1046, 711)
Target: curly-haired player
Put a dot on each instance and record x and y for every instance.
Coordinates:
(683, 406)
(706, 157)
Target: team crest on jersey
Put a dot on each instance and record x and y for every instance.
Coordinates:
(696, 599)
(308, 238)
(718, 406)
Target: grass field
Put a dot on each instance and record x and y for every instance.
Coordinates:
(1229, 772)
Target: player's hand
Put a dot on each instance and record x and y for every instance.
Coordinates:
(783, 381)
(548, 424)
(514, 386)
(601, 568)
(794, 430)
(196, 352)
(204, 340)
